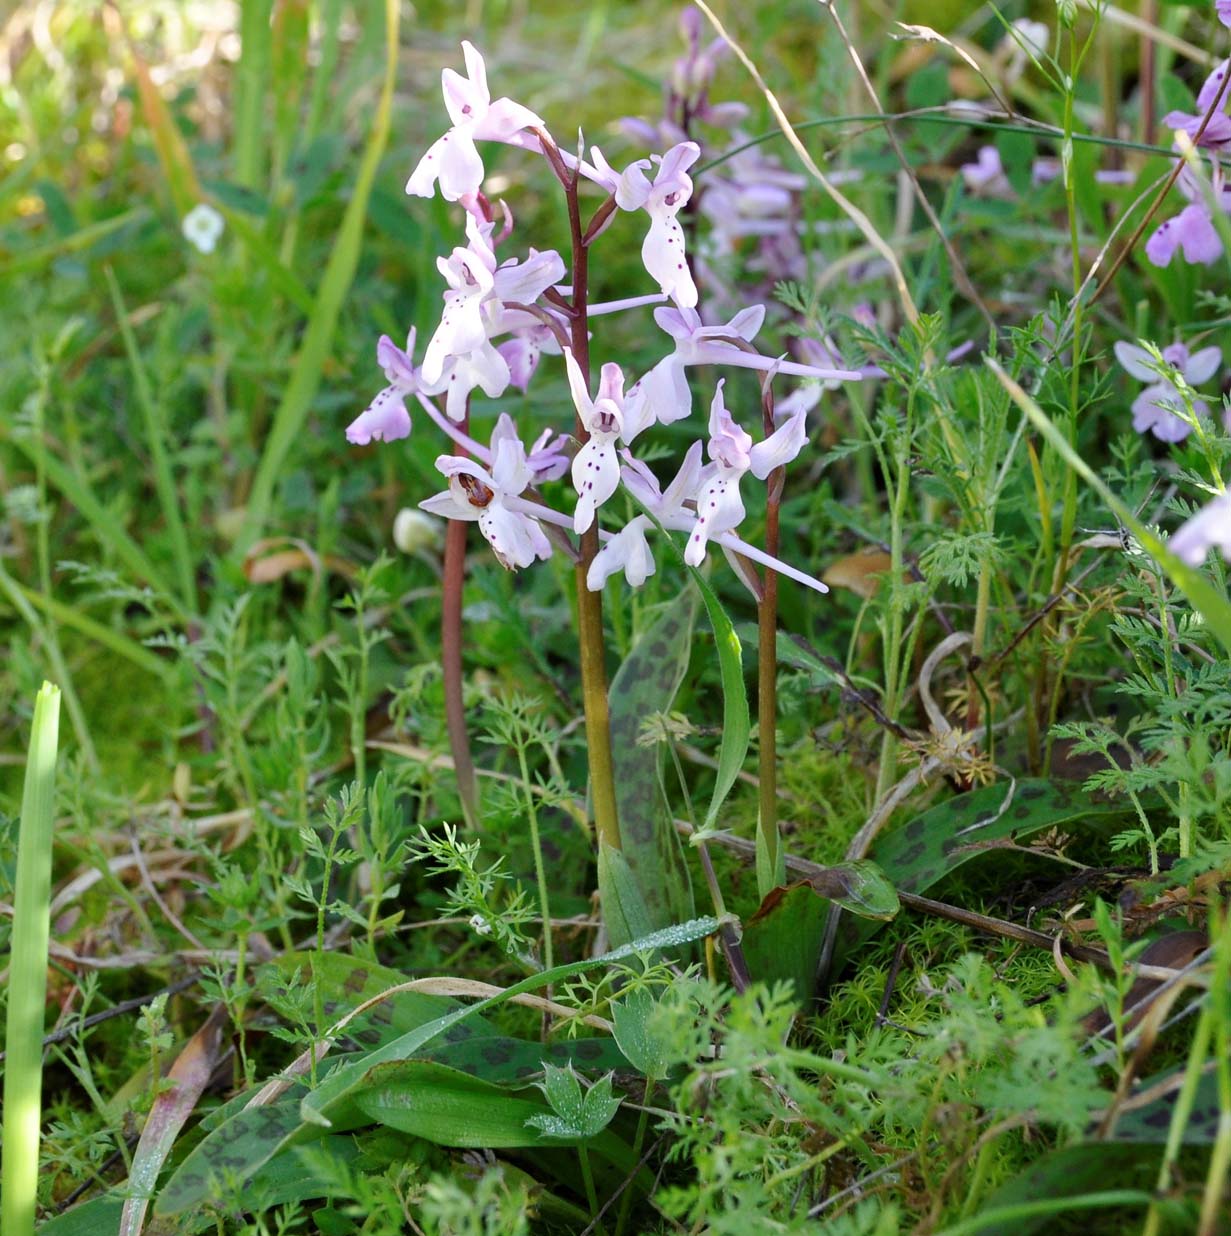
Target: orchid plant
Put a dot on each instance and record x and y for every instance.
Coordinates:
(501, 315)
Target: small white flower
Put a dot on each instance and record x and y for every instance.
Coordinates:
(480, 925)
(202, 226)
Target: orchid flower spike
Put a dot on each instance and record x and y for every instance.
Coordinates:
(1209, 528)
(1159, 409)
(453, 159)
(719, 505)
(596, 470)
(1192, 231)
(663, 249)
(488, 497)
(385, 419)
(1217, 135)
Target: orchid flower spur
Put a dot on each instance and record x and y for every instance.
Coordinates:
(487, 496)
(1217, 135)
(1159, 408)
(662, 395)
(453, 159)
(662, 252)
(732, 452)
(1209, 528)
(386, 419)
(1192, 231)
(596, 470)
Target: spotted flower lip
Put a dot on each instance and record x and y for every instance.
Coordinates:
(1209, 528)
(453, 160)
(662, 252)
(486, 496)
(596, 470)
(1159, 409)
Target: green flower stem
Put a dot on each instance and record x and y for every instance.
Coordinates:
(589, 604)
(23, 1031)
(767, 693)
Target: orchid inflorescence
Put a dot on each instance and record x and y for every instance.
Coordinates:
(501, 316)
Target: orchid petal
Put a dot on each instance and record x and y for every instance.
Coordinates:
(662, 253)
(596, 474)
(719, 509)
(783, 445)
(385, 419)
(627, 551)
(1207, 529)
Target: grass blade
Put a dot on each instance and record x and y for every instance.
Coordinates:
(343, 261)
(1205, 598)
(23, 1031)
(155, 435)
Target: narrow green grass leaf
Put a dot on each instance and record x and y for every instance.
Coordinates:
(27, 987)
(256, 35)
(343, 260)
(76, 241)
(1205, 598)
(102, 523)
(67, 616)
(156, 443)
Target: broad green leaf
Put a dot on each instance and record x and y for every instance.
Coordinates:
(261, 1133)
(576, 1113)
(1212, 605)
(647, 683)
(938, 842)
(1152, 1123)
(1068, 1173)
(448, 1108)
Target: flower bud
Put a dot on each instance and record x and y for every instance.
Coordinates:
(414, 531)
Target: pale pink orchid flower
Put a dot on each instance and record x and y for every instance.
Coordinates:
(491, 498)
(986, 175)
(1159, 409)
(662, 252)
(460, 354)
(453, 159)
(732, 452)
(628, 550)
(596, 470)
(1209, 528)
(386, 419)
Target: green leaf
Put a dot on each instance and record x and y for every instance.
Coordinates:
(1204, 597)
(782, 940)
(646, 683)
(938, 842)
(624, 910)
(305, 378)
(736, 721)
(258, 1134)
(646, 1050)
